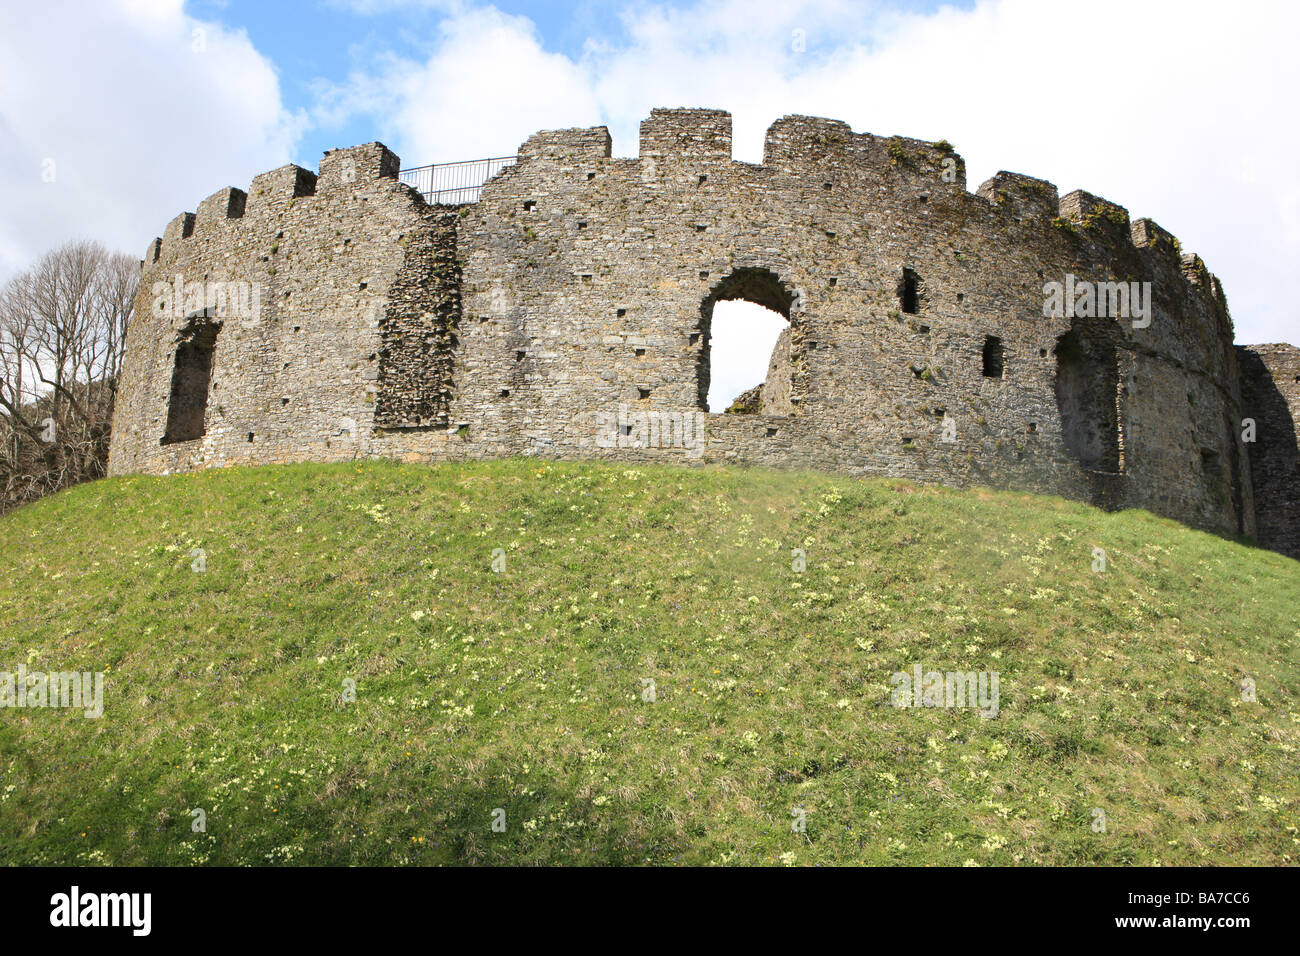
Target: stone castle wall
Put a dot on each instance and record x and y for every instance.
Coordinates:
(566, 314)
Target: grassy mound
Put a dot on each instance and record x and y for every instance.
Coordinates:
(523, 696)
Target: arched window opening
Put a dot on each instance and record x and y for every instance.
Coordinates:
(744, 364)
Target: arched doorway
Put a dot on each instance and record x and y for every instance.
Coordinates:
(745, 360)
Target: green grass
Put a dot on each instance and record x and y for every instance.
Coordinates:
(523, 690)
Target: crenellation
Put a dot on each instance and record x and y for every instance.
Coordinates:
(272, 192)
(1147, 234)
(1087, 211)
(224, 204)
(181, 227)
(569, 310)
(346, 168)
(686, 136)
(568, 146)
(1022, 197)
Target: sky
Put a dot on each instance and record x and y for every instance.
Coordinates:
(115, 115)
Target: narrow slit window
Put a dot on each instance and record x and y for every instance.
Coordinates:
(909, 292)
(992, 357)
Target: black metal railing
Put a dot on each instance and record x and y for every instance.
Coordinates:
(454, 183)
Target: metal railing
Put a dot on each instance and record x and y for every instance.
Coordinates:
(454, 183)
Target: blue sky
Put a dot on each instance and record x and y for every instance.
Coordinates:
(1178, 110)
(311, 44)
(314, 42)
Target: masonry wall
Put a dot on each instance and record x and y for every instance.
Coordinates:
(579, 289)
(1271, 397)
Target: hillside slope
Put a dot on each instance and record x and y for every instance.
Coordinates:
(527, 690)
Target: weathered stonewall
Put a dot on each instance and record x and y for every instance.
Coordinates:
(338, 316)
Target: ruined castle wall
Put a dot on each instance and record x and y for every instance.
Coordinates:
(578, 290)
(1271, 397)
(777, 383)
(295, 376)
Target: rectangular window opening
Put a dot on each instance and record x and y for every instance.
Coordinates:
(187, 405)
(993, 358)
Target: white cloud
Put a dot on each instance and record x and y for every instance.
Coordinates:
(142, 111)
(1176, 110)
(486, 86)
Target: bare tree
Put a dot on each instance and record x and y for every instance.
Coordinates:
(62, 331)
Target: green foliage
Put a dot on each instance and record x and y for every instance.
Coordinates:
(523, 690)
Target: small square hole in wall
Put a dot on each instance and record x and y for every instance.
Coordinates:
(834, 280)
(640, 352)
(519, 356)
(590, 176)
(826, 186)
(586, 277)
(960, 296)
(703, 178)
(529, 205)
(771, 432)
(297, 328)
(582, 225)
(643, 393)
(622, 312)
(250, 436)
(695, 338)
(704, 273)
(1033, 427)
(1042, 353)
(700, 227)
(283, 402)
(505, 393)
(364, 284)
(625, 429)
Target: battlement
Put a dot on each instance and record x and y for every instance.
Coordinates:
(1022, 196)
(687, 135)
(574, 286)
(567, 145)
(272, 194)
